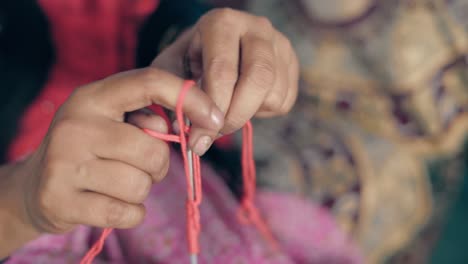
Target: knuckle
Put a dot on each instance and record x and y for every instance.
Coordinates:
(262, 71)
(224, 15)
(274, 102)
(136, 216)
(221, 70)
(148, 77)
(284, 110)
(286, 107)
(224, 19)
(264, 23)
(114, 213)
(163, 158)
(158, 157)
(160, 123)
(164, 169)
(149, 74)
(140, 187)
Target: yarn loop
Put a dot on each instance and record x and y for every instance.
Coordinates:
(247, 214)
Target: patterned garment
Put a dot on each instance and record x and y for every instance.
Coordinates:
(307, 233)
(378, 130)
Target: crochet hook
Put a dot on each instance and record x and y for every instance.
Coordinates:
(193, 257)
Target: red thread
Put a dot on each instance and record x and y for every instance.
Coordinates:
(248, 213)
(97, 247)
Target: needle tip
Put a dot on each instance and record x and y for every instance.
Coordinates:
(193, 259)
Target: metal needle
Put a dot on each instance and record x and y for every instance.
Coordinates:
(193, 257)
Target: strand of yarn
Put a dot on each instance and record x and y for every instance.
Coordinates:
(248, 213)
(97, 247)
(194, 195)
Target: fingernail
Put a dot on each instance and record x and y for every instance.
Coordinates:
(217, 116)
(160, 125)
(202, 145)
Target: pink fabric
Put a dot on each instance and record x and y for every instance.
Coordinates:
(307, 233)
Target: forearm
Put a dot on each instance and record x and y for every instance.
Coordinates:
(14, 229)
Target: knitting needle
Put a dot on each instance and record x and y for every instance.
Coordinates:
(193, 257)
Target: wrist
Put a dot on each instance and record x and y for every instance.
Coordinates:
(15, 227)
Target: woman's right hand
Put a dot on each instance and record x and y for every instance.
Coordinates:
(93, 168)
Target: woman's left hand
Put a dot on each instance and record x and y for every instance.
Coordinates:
(245, 65)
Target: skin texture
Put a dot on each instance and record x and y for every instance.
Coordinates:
(96, 168)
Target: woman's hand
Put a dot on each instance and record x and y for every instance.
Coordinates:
(95, 169)
(246, 66)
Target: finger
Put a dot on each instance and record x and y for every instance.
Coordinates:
(133, 90)
(258, 71)
(115, 179)
(278, 93)
(289, 70)
(98, 210)
(220, 46)
(145, 118)
(293, 84)
(129, 144)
